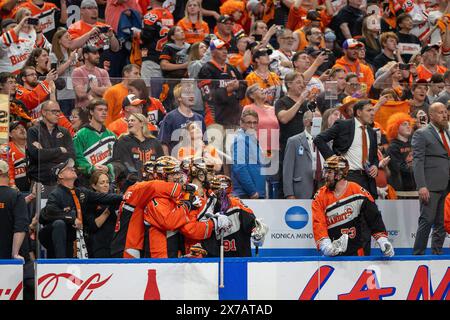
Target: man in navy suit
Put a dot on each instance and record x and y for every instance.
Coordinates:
(355, 140)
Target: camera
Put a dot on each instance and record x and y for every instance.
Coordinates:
(33, 21)
(423, 119)
(251, 45)
(103, 29)
(404, 66)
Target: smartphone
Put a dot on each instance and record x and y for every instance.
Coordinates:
(404, 66)
(257, 37)
(33, 21)
(103, 29)
(54, 66)
(422, 119)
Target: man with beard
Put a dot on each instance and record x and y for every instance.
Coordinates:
(338, 210)
(431, 167)
(430, 62)
(356, 141)
(350, 62)
(89, 81)
(32, 92)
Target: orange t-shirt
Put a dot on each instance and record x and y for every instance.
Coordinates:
(297, 18)
(270, 86)
(424, 73)
(120, 126)
(364, 73)
(193, 32)
(114, 97)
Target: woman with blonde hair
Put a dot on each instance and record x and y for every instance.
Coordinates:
(132, 150)
(195, 29)
(194, 146)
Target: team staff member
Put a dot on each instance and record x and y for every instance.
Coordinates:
(337, 211)
(14, 219)
(63, 212)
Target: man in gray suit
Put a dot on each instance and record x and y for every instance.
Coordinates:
(431, 166)
(300, 163)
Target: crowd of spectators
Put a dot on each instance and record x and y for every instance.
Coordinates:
(266, 89)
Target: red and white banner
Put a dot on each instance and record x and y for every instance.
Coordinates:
(140, 281)
(349, 280)
(11, 281)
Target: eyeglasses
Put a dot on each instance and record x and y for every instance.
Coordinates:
(54, 111)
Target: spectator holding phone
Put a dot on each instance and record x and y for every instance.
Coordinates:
(19, 38)
(89, 81)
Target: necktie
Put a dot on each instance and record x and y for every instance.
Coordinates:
(364, 146)
(318, 173)
(444, 141)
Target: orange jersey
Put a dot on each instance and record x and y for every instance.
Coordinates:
(17, 164)
(237, 61)
(303, 42)
(45, 14)
(297, 18)
(114, 97)
(120, 126)
(193, 32)
(164, 216)
(364, 73)
(129, 230)
(334, 216)
(424, 73)
(447, 214)
(80, 28)
(32, 99)
(271, 87)
(155, 111)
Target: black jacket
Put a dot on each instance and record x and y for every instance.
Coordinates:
(60, 204)
(43, 160)
(342, 134)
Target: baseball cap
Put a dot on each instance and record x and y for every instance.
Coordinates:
(351, 43)
(425, 81)
(131, 100)
(88, 4)
(4, 168)
(69, 163)
(15, 124)
(224, 18)
(261, 52)
(313, 15)
(90, 49)
(429, 47)
(218, 44)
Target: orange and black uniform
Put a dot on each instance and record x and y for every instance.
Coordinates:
(166, 221)
(237, 240)
(447, 214)
(220, 106)
(157, 23)
(333, 217)
(129, 231)
(17, 161)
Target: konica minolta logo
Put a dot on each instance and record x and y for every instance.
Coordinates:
(296, 217)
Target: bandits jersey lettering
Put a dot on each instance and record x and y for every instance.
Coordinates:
(333, 216)
(157, 23)
(237, 239)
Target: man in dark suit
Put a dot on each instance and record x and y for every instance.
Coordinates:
(355, 140)
(431, 167)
